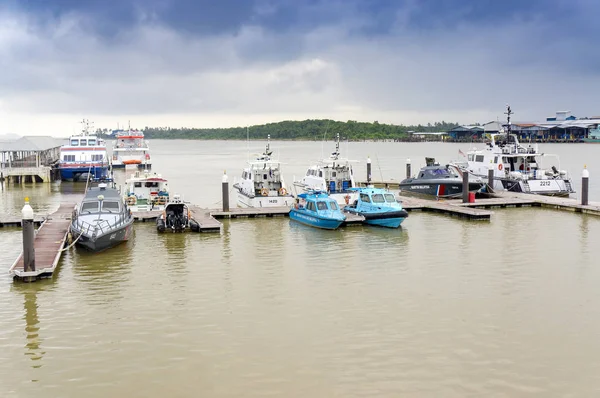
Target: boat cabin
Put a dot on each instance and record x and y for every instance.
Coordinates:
(317, 202)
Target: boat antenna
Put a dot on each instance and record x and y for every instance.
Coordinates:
(379, 166)
(323, 142)
(508, 113)
(247, 144)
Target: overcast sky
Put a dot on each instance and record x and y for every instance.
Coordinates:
(207, 63)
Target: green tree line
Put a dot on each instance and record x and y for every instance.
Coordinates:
(298, 130)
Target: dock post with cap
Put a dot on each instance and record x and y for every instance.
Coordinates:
(28, 240)
(225, 186)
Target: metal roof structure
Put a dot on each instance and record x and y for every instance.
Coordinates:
(32, 144)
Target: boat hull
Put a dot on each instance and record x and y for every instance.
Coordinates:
(591, 140)
(103, 242)
(442, 190)
(119, 165)
(75, 173)
(389, 219)
(314, 220)
(244, 200)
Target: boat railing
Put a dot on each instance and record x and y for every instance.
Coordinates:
(100, 226)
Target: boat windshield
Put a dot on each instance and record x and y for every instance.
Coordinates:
(365, 198)
(378, 198)
(110, 207)
(437, 173)
(333, 205)
(89, 207)
(322, 205)
(390, 198)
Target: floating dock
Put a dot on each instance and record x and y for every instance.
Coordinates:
(49, 241)
(7, 221)
(452, 208)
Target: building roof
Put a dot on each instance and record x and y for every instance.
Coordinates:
(32, 143)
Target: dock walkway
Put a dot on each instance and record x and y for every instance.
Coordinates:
(452, 208)
(49, 240)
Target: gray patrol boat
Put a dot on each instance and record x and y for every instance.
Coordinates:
(439, 181)
(102, 220)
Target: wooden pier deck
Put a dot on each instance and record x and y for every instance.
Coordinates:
(452, 208)
(204, 218)
(238, 212)
(8, 221)
(49, 240)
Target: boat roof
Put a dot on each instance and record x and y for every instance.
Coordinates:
(314, 195)
(369, 190)
(108, 192)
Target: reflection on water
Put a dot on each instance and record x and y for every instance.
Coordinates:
(103, 273)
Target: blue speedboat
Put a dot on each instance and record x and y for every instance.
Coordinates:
(378, 207)
(317, 209)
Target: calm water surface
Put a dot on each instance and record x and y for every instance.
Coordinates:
(440, 308)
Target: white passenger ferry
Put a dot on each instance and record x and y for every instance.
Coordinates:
(130, 148)
(84, 154)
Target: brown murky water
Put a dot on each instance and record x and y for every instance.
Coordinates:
(440, 308)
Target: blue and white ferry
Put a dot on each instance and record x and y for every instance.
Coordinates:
(378, 207)
(317, 209)
(85, 154)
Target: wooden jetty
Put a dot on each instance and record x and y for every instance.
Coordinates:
(452, 208)
(251, 212)
(8, 221)
(204, 218)
(49, 241)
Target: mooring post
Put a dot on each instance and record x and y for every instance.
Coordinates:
(225, 192)
(28, 238)
(491, 179)
(465, 186)
(368, 170)
(585, 185)
(408, 173)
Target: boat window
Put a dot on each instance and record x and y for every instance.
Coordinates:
(311, 206)
(151, 185)
(74, 142)
(69, 158)
(365, 198)
(97, 158)
(110, 206)
(322, 205)
(479, 158)
(137, 184)
(495, 159)
(470, 157)
(333, 173)
(378, 198)
(82, 142)
(320, 173)
(390, 198)
(89, 207)
(91, 142)
(333, 205)
(265, 176)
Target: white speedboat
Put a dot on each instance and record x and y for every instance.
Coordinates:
(147, 191)
(333, 175)
(518, 168)
(130, 148)
(83, 156)
(262, 184)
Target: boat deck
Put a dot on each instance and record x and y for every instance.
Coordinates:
(49, 240)
(449, 207)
